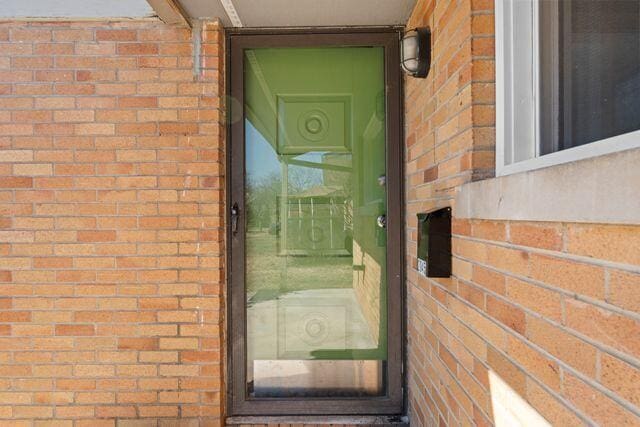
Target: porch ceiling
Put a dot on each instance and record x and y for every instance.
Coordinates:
(303, 13)
(248, 13)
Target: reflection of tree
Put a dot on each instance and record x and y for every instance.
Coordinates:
(301, 179)
(261, 199)
(319, 179)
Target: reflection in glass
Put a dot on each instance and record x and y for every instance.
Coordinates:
(315, 259)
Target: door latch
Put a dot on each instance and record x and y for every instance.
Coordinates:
(235, 214)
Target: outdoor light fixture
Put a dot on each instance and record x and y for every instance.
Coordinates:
(416, 52)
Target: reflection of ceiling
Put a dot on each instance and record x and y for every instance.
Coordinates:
(250, 13)
(303, 100)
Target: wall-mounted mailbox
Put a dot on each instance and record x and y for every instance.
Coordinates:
(434, 243)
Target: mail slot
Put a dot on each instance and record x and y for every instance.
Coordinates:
(434, 243)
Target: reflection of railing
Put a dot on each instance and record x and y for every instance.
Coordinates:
(351, 354)
(315, 225)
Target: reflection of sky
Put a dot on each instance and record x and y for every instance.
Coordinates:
(262, 159)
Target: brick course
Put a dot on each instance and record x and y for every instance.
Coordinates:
(552, 308)
(112, 192)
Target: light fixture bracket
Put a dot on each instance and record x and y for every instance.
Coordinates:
(416, 52)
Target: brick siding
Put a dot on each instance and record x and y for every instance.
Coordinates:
(551, 308)
(111, 241)
(111, 189)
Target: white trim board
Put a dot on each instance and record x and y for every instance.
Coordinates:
(232, 12)
(603, 189)
(516, 82)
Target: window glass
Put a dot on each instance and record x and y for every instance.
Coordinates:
(589, 71)
(316, 257)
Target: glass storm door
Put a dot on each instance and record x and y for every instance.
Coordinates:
(313, 223)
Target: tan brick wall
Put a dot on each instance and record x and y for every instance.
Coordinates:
(111, 267)
(111, 196)
(551, 308)
(367, 289)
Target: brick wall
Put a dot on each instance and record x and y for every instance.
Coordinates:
(551, 308)
(111, 268)
(111, 189)
(367, 287)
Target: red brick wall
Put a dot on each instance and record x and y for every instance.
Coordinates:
(111, 196)
(552, 308)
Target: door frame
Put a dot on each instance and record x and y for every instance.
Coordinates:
(238, 404)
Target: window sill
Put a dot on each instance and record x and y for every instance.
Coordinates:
(600, 189)
(614, 144)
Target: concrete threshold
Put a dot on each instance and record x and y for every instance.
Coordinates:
(373, 420)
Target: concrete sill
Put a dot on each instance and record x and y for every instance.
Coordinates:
(601, 189)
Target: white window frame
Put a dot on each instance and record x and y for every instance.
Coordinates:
(518, 101)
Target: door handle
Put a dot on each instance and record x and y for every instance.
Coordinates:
(382, 221)
(235, 214)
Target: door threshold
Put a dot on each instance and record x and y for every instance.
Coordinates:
(377, 420)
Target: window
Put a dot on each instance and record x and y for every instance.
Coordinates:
(568, 80)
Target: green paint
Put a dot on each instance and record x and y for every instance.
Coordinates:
(316, 259)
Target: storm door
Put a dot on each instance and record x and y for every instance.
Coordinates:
(314, 224)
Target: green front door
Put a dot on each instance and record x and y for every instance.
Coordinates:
(313, 223)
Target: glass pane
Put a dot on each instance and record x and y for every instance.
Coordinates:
(590, 71)
(315, 256)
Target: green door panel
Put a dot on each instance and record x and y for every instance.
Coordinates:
(315, 255)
